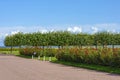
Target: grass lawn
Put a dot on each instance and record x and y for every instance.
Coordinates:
(90, 66)
(16, 53)
(41, 58)
(9, 52)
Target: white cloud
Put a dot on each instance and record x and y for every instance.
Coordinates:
(43, 31)
(69, 29)
(52, 30)
(46, 30)
(113, 31)
(107, 27)
(94, 29)
(3, 35)
(6, 34)
(114, 28)
(15, 32)
(75, 29)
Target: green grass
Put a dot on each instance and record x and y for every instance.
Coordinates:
(90, 66)
(9, 52)
(41, 58)
(16, 53)
(23, 56)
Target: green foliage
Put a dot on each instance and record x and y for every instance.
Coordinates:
(106, 56)
(39, 41)
(62, 38)
(29, 51)
(50, 52)
(8, 49)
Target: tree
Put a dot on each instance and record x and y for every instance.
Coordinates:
(62, 38)
(102, 38)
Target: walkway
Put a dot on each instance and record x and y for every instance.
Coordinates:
(16, 68)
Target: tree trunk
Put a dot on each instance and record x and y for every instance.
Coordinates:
(113, 46)
(103, 45)
(80, 46)
(43, 50)
(19, 47)
(96, 46)
(62, 47)
(11, 49)
(58, 47)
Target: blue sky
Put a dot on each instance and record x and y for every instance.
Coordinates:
(48, 15)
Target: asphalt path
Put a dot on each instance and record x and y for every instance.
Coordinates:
(16, 68)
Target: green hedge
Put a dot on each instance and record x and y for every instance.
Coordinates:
(101, 56)
(106, 56)
(29, 51)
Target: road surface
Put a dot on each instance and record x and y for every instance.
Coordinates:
(16, 68)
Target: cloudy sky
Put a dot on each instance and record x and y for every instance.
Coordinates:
(88, 16)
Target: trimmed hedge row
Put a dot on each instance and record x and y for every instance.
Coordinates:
(62, 38)
(101, 56)
(106, 56)
(29, 51)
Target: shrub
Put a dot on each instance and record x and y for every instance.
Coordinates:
(106, 56)
(26, 51)
(29, 51)
(50, 52)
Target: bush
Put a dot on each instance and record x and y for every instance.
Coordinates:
(106, 56)
(50, 52)
(29, 51)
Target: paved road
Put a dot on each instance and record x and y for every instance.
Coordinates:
(15, 68)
